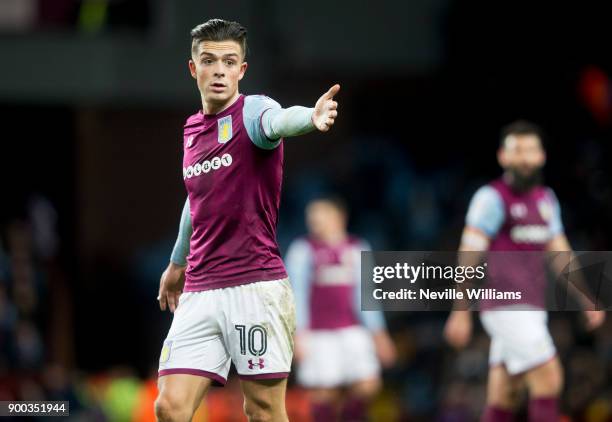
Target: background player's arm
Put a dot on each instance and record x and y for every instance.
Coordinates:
(458, 328)
(173, 277)
(298, 262)
(267, 122)
(577, 286)
(374, 321)
(484, 218)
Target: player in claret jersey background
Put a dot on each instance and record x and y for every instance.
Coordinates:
(232, 301)
(339, 348)
(517, 213)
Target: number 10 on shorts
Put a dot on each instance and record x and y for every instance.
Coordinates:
(255, 339)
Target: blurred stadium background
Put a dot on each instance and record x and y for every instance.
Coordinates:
(93, 95)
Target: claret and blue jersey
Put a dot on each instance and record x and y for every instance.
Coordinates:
(516, 222)
(326, 281)
(233, 175)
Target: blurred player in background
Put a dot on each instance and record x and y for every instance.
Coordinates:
(338, 348)
(236, 303)
(517, 213)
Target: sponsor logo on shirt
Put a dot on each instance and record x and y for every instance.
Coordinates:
(337, 273)
(530, 233)
(206, 166)
(334, 275)
(225, 131)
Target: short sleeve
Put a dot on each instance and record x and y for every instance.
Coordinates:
(486, 211)
(555, 224)
(372, 320)
(254, 108)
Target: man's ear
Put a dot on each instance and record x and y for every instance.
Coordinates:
(192, 69)
(243, 68)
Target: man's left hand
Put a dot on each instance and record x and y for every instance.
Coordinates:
(326, 110)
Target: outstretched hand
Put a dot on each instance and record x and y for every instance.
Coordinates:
(458, 329)
(385, 349)
(326, 110)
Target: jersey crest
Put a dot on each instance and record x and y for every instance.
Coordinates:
(225, 129)
(518, 210)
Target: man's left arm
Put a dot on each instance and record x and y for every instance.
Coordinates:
(374, 321)
(267, 122)
(577, 286)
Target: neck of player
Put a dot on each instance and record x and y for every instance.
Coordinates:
(214, 107)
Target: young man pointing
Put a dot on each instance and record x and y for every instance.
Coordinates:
(236, 303)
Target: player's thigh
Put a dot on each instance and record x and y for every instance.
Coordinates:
(359, 360)
(545, 380)
(194, 344)
(519, 339)
(180, 394)
(264, 399)
(322, 364)
(503, 389)
(259, 326)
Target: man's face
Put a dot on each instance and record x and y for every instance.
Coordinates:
(324, 219)
(217, 67)
(522, 155)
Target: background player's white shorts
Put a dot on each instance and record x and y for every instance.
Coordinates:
(251, 324)
(519, 338)
(333, 358)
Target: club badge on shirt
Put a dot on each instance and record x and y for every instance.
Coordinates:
(518, 211)
(225, 129)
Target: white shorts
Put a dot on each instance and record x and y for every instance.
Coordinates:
(251, 325)
(519, 338)
(339, 357)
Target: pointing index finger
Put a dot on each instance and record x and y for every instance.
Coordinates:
(332, 91)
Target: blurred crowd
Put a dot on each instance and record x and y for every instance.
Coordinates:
(82, 15)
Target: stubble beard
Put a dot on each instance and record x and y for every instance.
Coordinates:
(521, 182)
